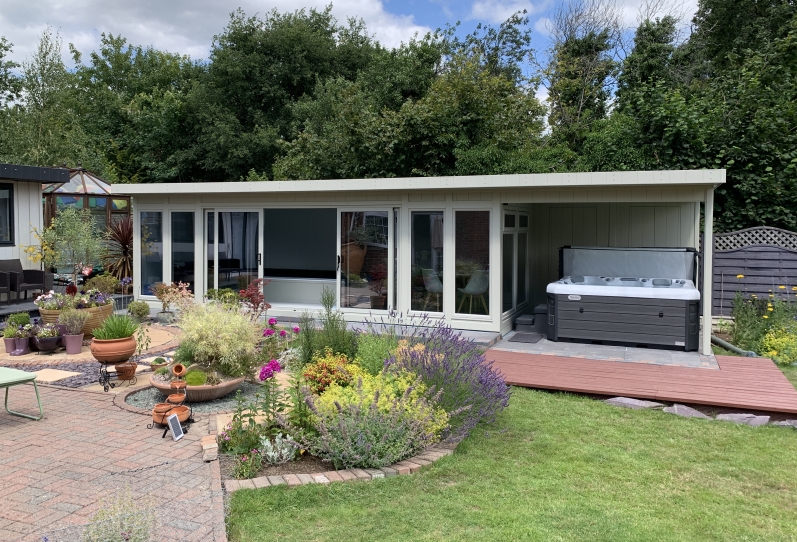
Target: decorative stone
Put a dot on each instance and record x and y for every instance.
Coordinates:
(747, 419)
(786, 423)
(685, 411)
(629, 402)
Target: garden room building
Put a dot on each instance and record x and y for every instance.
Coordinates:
(475, 251)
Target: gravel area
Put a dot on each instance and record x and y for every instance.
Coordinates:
(147, 398)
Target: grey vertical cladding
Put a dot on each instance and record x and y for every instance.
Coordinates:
(666, 322)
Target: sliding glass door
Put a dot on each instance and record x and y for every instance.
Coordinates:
(233, 249)
(365, 269)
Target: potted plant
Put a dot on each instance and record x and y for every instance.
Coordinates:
(97, 305)
(72, 322)
(73, 240)
(11, 331)
(114, 340)
(168, 294)
(138, 310)
(21, 340)
(47, 337)
(218, 340)
(157, 363)
(378, 285)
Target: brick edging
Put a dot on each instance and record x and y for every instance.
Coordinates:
(407, 466)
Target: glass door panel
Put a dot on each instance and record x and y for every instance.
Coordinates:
(151, 250)
(210, 250)
(522, 239)
(364, 259)
(427, 261)
(237, 249)
(507, 271)
(472, 264)
(183, 248)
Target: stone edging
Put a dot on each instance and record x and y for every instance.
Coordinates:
(407, 466)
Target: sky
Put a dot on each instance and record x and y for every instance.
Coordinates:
(187, 27)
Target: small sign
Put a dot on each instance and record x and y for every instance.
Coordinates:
(572, 297)
(174, 425)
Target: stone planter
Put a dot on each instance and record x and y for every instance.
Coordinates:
(96, 317)
(164, 317)
(73, 344)
(113, 350)
(200, 394)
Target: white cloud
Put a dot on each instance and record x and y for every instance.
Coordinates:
(498, 11)
(179, 26)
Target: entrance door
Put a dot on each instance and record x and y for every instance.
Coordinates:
(365, 273)
(233, 250)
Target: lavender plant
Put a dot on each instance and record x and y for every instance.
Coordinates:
(473, 391)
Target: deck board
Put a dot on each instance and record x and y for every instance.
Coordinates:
(747, 383)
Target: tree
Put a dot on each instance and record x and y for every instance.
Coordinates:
(10, 85)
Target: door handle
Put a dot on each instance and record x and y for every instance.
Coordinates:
(259, 258)
(338, 267)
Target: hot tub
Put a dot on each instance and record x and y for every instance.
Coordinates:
(646, 310)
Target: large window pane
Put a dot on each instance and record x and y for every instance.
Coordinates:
(507, 269)
(521, 268)
(238, 233)
(183, 248)
(151, 250)
(210, 233)
(300, 243)
(364, 259)
(6, 214)
(427, 261)
(98, 210)
(472, 253)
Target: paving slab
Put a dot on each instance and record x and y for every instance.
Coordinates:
(628, 402)
(685, 411)
(53, 375)
(746, 419)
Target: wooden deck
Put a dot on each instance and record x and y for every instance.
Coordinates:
(747, 383)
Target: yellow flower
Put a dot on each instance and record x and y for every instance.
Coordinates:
(782, 287)
(765, 316)
(739, 276)
(794, 288)
(771, 295)
(770, 309)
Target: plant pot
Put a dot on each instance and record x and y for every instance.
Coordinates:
(113, 350)
(73, 344)
(47, 344)
(179, 370)
(352, 256)
(97, 316)
(176, 398)
(21, 347)
(182, 413)
(177, 385)
(156, 366)
(379, 302)
(126, 370)
(165, 317)
(199, 394)
(9, 344)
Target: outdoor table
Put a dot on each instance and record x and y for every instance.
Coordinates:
(13, 377)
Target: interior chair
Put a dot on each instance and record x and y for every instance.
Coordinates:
(477, 285)
(433, 285)
(22, 280)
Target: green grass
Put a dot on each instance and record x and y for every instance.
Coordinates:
(558, 467)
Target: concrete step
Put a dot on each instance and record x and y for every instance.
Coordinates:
(525, 320)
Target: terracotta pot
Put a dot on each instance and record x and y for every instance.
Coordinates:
(179, 370)
(177, 385)
(176, 398)
(182, 412)
(73, 344)
(47, 344)
(162, 407)
(156, 366)
(379, 302)
(199, 394)
(97, 316)
(21, 347)
(352, 256)
(9, 344)
(126, 370)
(113, 350)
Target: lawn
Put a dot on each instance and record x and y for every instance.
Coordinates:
(558, 467)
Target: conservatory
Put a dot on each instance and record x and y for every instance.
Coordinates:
(475, 251)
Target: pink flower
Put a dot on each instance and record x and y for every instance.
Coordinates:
(272, 321)
(268, 332)
(283, 333)
(87, 270)
(296, 329)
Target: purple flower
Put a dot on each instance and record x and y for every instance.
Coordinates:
(268, 332)
(283, 333)
(267, 371)
(272, 321)
(296, 329)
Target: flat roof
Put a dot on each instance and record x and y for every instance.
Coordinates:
(669, 178)
(34, 174)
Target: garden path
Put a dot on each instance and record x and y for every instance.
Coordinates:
(56, 472)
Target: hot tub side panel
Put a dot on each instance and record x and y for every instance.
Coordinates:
(665, 322)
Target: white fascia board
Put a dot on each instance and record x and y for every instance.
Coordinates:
(535, 180)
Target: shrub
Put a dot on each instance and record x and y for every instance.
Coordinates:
(276, 341)
(753, 318)
(389, 388)
(224, 296)
(18, 319)
(278, 450)
(138, 309)
(162, 371)
(373, 349)
(780, 344)
(195, 378)
(221, 339)
(173, 294)
(247, 465)
(363, 435)
(184, 353)
(116, 326)
(242, 434)
(333, 333)
(472, 390)
(328, 368)
(104, 283)
(73, 321)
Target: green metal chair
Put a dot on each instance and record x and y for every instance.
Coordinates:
(14, 377)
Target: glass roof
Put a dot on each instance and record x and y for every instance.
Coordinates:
(80, 182)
